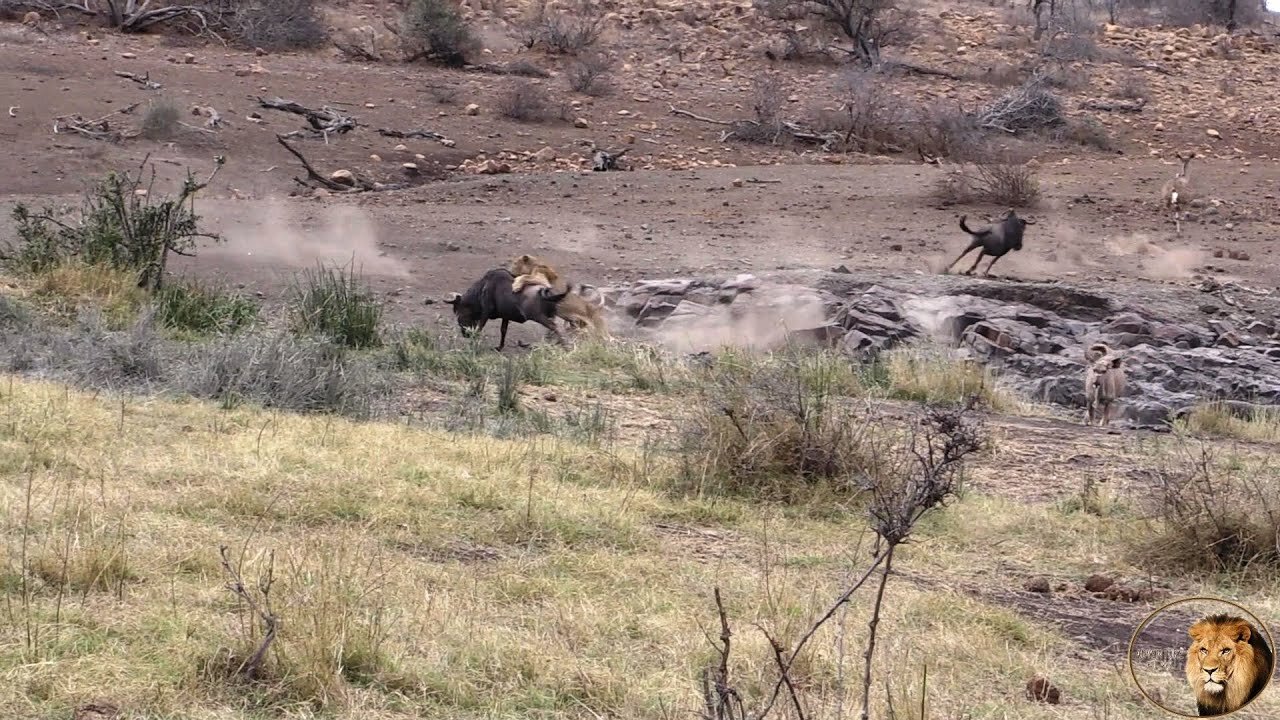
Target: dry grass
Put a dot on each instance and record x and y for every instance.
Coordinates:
(65, 288)
(427, 573)
(929, 374)
(1214, 420)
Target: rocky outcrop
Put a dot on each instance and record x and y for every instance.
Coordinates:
(1181, 349)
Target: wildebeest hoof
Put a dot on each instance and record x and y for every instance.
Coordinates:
(522, 344)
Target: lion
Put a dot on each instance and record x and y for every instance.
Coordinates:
(1228, 664)
(1104, 382)
(531, 270)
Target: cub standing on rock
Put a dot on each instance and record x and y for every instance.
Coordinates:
(1103, 382)
(575, 309)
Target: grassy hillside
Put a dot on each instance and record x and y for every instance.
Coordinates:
(419, 573)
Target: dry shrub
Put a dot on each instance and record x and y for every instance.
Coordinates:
(1085, 131)
(1030, 107)
(160, 121)
(1212, 516)
(565, 32)
(1132, 86)
(778, 429)
(278, 24)
(590, 74)
(1222, 13)
(768, 95)
(1000, 75)
(435, 29)
(1063, 76)
(524, 68)
(524, 101)
(1005, 182)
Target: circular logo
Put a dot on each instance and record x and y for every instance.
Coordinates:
(1202, 657)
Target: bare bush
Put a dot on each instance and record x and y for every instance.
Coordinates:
(1132, 86)
(1084, 131)
(1006, 183)
(565, 32)
(435, 29)
(277, 24)
(1029, 107)
(1224, 13)
(1063, 76)
(590, 74)
(524, 68)
(870, 25)
(1212, 517)
(160, 121)
(524, 101)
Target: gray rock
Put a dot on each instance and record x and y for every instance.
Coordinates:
(1034, 335)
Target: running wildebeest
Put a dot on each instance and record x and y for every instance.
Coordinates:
(995, 240)
(491, 298)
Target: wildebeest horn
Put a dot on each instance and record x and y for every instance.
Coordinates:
(453, 298)
(1029, 221)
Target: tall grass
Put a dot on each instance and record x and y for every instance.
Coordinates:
(336, 302)
(203, 309)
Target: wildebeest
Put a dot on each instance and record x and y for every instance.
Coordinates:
(995, 240)
(491, 298)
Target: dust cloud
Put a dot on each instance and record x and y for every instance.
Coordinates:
(1152, 260)
(342, 234)
(763, 325)
(1053, 249)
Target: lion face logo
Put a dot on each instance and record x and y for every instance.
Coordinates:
(1228, 664)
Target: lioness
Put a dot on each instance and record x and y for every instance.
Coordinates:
(533, 270)
(1228, 664)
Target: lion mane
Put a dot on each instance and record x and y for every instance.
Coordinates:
(1228, 664)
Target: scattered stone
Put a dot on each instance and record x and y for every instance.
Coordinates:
(375, 157)
(580, 123)
(1212, 133)
(343, 177)
(129, 55)
(410, 168)
(188, 58)
(472, 109)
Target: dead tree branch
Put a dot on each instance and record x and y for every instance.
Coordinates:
(423, 134)
(1129, 106)
(143, 80)
(97, 129)
(270, 623)
(356, 184)
(322, 122)
(685, 113)
(721, 700)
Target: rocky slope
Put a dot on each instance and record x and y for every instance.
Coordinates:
(1183, 345)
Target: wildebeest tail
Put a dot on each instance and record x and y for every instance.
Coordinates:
(965, 227)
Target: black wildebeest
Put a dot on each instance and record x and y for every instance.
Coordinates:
(995, 240)
(491, 298)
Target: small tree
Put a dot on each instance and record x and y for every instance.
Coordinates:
(122, 224)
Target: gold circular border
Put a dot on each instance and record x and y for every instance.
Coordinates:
(1134, 639)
